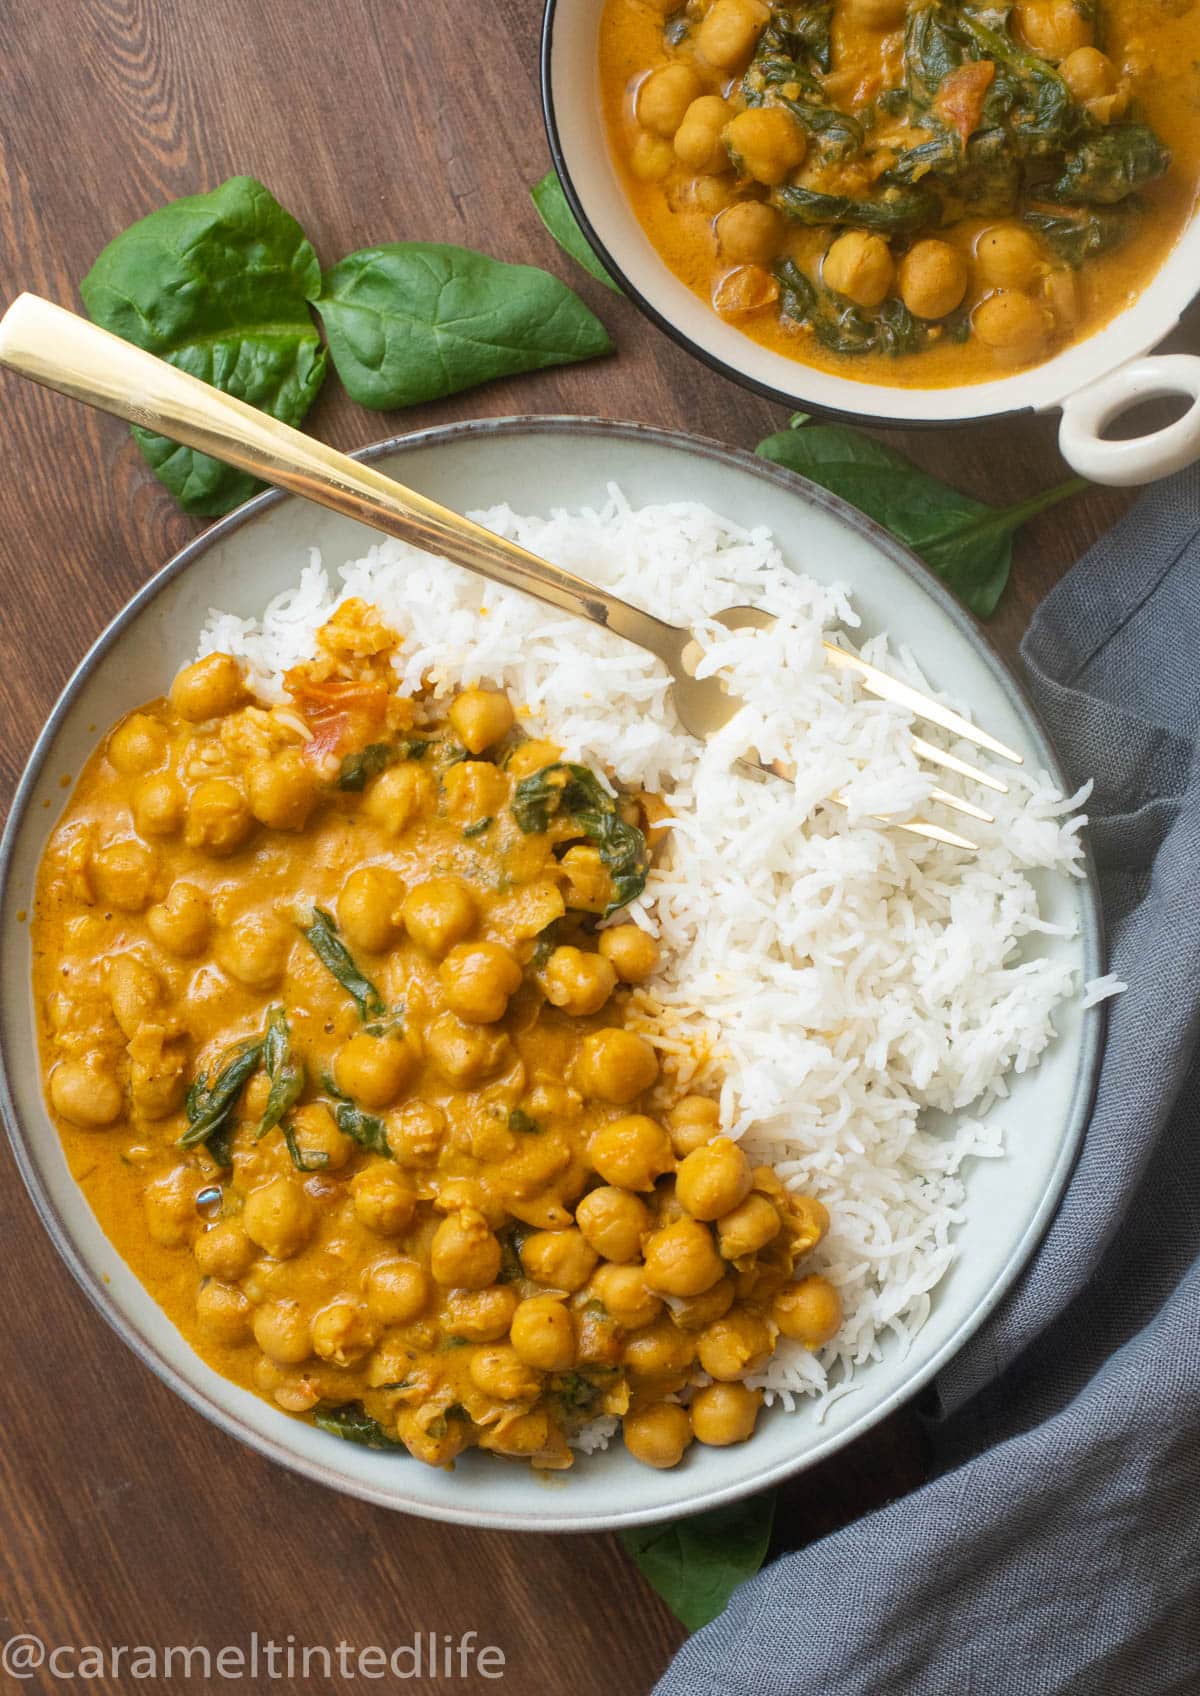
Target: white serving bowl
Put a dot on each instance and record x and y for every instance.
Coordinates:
(1092, 382)
(537, 464)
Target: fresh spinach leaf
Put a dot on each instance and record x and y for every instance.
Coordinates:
(554, 211)
(285, 1072)
(321, 934)
(696, 1564)
(353, 1424)
(208, 1105)
(966, 542)
(414, 321)
(217, 284)
(562, 791)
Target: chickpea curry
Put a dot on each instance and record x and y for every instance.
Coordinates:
(339, 1026)
(912, 194)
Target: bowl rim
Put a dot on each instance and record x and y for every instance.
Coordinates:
(1091, 935)
(876, 415)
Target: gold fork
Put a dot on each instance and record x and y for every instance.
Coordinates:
(65, 352)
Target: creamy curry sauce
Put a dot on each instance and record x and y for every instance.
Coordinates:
(721, 157)
(355, 1084)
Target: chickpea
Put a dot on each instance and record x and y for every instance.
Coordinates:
(415, 1132)
(657, 1435)
(85, 1093)
(877, 15)
(630, 951)
(465, 1253)
(534, 755)
(713, 1180)
(465, 1054)
(384, 1199)
(693, 1122)
(589, 887)
(765, 143)
(659, 1351)
(932, 279)
(438, 913)
(255, 950)
(169, 1203)
(180, 923)
(749, 232)
(729, 31)
(480, 718)
(475, 790)
(138, 744)
(369, 908)
(316, 1133)
(218, 817)
(210, 688)
(681, 1259)
(808, 1311)
(736, 1345)
(1054, 29)
(223, 1311)
(223, 1251)
(724, 1413)
(283, 790)
(577, 981)
(281, 1331)
(433, 1438)
(477, 979)
(664, 97)
(613, 1222)
(124, 873)
(698, 142)
(696, 1313)
(530, 1436)
(397, 1291)
(623, 1293)
(631, 1152)
(279, 1217)
(859, 266)
(1007, 257)
(481, 1316)
(499, 1371)
(650, 159)
(343, 1333)
(1015, 327)
(746, 1228)
(159, 805)
(1088, 73)
(400, 795)
(563, 1259)
(615, 1065)
(809, 1221)
(135, 990)
(374, 1069)
(542, 1334)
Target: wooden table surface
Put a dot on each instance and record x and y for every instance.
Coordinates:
(124, 1517)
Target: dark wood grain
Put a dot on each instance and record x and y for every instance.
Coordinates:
(124, 1517)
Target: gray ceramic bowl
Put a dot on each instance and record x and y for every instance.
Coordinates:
(535, 464)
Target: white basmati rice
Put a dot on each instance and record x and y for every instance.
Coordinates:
(1096, 990)
(840, 982)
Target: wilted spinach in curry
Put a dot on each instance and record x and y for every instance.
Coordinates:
(872, 180)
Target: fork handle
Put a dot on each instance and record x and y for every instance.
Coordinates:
(62, 351)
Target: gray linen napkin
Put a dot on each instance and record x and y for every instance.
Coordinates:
(1058, 1548)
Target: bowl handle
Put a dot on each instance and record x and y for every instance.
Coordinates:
(1141, 459)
